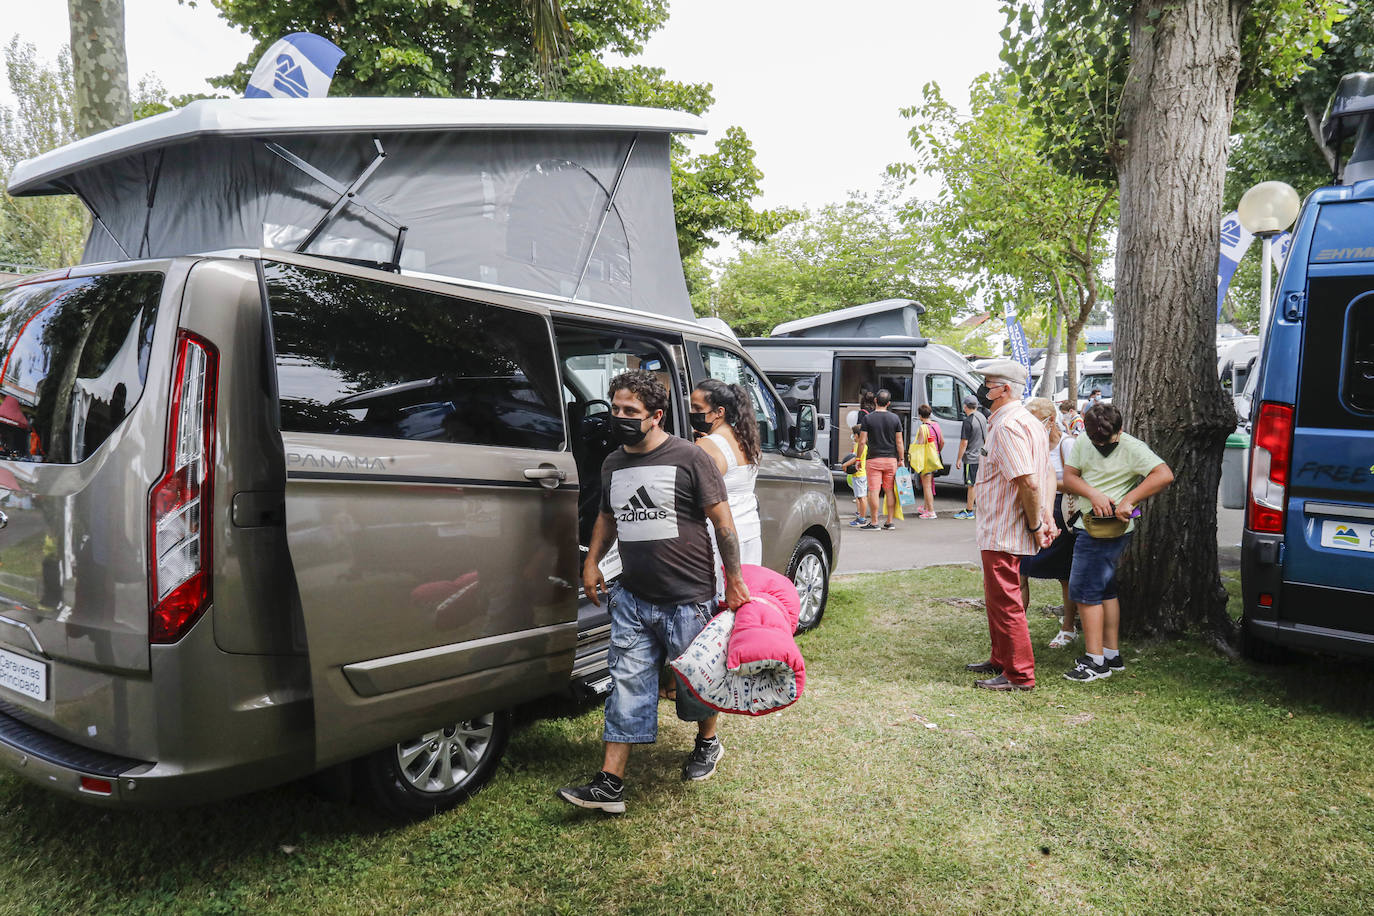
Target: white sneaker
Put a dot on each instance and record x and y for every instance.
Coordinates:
(1063, 638)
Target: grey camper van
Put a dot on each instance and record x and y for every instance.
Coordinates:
(824, 361)
(265, 514)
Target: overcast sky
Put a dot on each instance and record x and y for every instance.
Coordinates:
(816, 86)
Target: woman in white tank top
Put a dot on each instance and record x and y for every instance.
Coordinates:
(724, 414)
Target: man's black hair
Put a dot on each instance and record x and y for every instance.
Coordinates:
(1101, 422)
(884, 397)
(643, 385)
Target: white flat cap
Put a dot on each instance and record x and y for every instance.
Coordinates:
(1008, 370)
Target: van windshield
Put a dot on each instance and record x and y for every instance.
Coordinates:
(75, 362)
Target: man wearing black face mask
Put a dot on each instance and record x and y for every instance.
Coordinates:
(657, 490)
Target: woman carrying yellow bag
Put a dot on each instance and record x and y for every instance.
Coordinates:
(924, 456)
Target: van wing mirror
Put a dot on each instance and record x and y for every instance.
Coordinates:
(803, 432)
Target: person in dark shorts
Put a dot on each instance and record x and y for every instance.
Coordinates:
(882, 436)
(971, 438)
(657, 492)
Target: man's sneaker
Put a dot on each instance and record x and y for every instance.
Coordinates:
(869, 527)
(1117, 664)
(858, 523)
(888, 526)
(701, 763)
(604, 793)
(964, 513)
(1087, 670)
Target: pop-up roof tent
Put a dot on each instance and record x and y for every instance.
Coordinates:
(564, 199)
(886, 318)
(1351, 112)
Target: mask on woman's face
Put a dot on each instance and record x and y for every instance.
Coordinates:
(699, 421)
(628, 430)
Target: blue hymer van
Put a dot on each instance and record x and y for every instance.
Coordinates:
(1308, 546)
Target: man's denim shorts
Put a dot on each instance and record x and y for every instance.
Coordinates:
(644, 637)
(1092, 579)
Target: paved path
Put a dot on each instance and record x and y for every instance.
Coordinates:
(946, 540)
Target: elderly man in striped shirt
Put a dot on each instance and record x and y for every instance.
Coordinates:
(1015, 497)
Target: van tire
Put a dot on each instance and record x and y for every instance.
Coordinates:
(809, 571)
(395, 790)
(1260, 650)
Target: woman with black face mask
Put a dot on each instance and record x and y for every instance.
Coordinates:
(723, 417)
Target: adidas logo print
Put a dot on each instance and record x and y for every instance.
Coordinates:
(640, 508)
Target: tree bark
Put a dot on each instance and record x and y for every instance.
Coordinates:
(1052, 344)
(100, 68)
(1175, 120)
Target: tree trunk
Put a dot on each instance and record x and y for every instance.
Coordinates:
(1071, 331)
(100, 68)
(1052, 350)
(1175, 120)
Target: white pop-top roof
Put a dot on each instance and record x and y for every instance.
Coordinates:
(853, 311)
(281, 117)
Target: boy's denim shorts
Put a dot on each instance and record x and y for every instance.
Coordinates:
(1092, 579)
(644, 637)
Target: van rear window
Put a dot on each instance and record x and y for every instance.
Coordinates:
(360, 357)
(75, 362)
(1336, 386)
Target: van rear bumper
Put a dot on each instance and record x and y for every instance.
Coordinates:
(1320, 639)
(59, 765)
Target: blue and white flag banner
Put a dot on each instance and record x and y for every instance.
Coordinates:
(299, 66)
(1279, 252)
(1020, 349)
(1234, 241)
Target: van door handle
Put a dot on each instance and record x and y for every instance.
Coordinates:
(547, 475)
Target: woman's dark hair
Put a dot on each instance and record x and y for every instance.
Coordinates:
(868, 400)
(643, 385)
(1101, 422)
(739, 414)
(924, 411)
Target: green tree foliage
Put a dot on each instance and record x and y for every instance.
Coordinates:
(845, 254)
(1031, 239)
(1072, 57)
(38, 231)
(494, 49)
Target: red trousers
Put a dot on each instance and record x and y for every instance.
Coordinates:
(1011, 644)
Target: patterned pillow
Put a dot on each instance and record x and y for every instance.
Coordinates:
(755, 689)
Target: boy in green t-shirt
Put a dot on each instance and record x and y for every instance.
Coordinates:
(1111, 472)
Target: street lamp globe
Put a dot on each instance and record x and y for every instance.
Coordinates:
(1269, 207)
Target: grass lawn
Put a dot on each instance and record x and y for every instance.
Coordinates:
(1192, 784)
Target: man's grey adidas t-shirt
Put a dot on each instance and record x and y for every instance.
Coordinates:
(659, 501)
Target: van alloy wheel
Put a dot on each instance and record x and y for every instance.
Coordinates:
(810, 573)
(437, 770)
(439, 760)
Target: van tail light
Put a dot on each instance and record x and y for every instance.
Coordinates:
(1270, 457)
(181, 503)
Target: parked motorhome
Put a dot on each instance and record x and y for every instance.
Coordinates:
(831, 373)
(266, 514)
(1307, 554)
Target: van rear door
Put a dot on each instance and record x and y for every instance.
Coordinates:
(74, 475)
(431, 501)
(1328, 567)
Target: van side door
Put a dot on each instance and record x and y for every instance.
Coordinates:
(431, 500)
(778, 485)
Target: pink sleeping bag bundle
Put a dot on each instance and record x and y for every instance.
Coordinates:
(748, 661)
